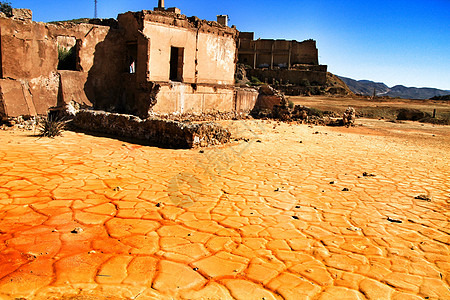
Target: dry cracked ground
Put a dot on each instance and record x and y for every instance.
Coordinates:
(284, 213)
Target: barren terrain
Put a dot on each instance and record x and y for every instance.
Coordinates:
(285, 212)
(378, 108)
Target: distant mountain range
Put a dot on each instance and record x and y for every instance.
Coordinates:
(366, 87)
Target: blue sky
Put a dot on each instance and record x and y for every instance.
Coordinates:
(395, 42)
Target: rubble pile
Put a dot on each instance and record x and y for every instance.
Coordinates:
(202, 117)
(272, 104)
(154, 131)
(20, 122)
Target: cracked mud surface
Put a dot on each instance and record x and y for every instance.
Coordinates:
(266, 217)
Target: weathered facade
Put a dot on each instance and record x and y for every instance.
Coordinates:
(150, 61)
(190, 62)
(31, 82)
(281, 60)
(31, 77)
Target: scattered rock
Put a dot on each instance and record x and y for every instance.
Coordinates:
(154, 130)
(158, 204)
(332, 182)
(349, 117)
(201, 151)
(117, 189)
(411, 114)
(297, 206)
(365, 174)
(345, 190)
(353, 228)
(393, 220)
(77, 230)
(295, 217)
(423, 197)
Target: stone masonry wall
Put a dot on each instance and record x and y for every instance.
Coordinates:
(292, 76)
(153, 131)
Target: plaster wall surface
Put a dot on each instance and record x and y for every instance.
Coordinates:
(216, 59)
(162, 38)
(182, 98)
(29, 56)
(245, 99)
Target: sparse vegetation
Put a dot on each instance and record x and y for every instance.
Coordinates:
(385, 109)
(51, 127)
(6, 8)
(446, 97)
(255, 81)
(75, 21)
(305, 83)
(67, 59)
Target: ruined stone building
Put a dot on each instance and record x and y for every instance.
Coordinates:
(144, 62)
(281, 60)
(149, 61)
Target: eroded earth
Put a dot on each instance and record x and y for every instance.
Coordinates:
(284, 212)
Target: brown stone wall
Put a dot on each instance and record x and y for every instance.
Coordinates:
(72, 88)
(13, 89)
(275, 53)
(292, 76)
(23, 14)
(29, 55)
(153, 131)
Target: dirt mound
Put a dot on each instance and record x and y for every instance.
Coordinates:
(411, 114)
(335, 85)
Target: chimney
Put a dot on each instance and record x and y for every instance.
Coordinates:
(161, 4)
(222, 20)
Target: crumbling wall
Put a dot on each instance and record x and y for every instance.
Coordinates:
(293, 76)
(245, 99)
(206, 63)
(275, 53)
(305, 53)
(192, 98)
(153, 131)
(216, 59)
(22, 14)
(29, 55)
(72, 89)
(164, 37)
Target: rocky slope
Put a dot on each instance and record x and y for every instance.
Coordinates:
(367, 87)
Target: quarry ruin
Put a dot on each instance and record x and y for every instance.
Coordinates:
(143, 63)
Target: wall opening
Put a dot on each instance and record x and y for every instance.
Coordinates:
(67, 53)
(176, 64)
(1, 60)
(132, 53)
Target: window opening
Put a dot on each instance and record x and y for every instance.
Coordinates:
(176, 64)
(132, 57)
(67, 53)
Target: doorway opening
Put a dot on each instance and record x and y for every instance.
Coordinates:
(176, 64)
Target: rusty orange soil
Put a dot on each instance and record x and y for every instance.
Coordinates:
(284, 214)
